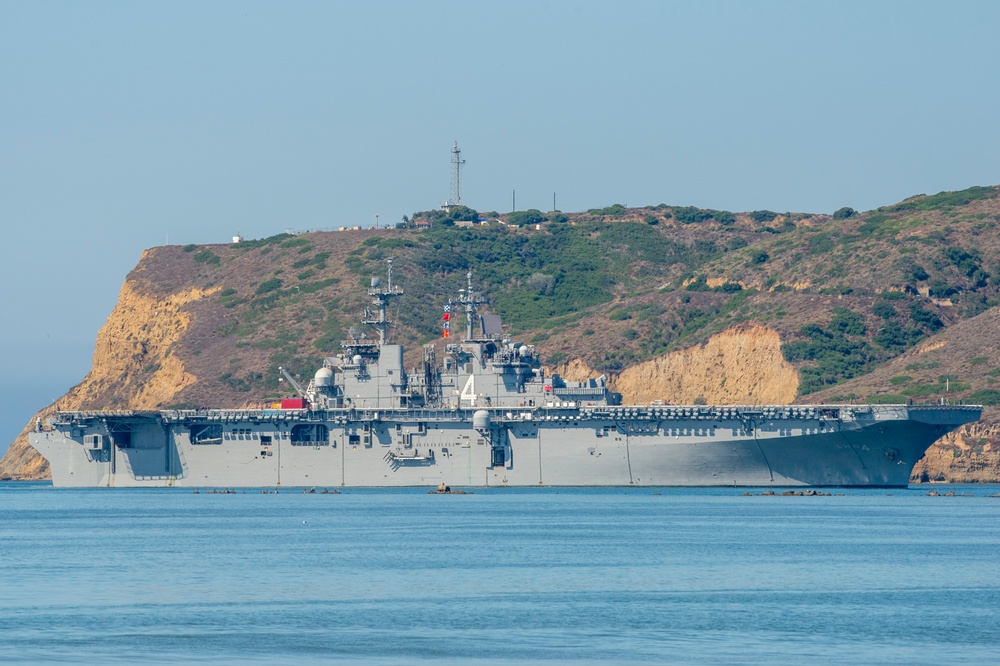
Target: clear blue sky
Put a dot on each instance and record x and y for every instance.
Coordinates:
(126, 124)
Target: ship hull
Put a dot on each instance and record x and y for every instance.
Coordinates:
(862, 448)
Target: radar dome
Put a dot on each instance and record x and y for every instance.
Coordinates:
(481, 420)
(323, 378)
(358, 359)
(523, 350)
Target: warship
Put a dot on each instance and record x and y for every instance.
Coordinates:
(485, 415)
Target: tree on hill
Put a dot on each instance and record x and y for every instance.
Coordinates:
(522, 218)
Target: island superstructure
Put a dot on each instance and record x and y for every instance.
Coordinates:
(485, 415)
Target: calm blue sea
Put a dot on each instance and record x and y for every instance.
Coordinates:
(499, 576)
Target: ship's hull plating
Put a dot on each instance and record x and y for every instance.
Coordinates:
(873, 448)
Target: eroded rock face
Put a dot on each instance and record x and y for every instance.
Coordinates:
(741, 365)
(968, 455)
(133, 367)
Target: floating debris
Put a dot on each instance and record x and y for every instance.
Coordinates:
(791, 493)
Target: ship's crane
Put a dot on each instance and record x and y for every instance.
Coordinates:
(297, 386)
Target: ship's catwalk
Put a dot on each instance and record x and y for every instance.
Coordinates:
(486, 415)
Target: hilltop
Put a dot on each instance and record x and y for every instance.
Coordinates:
(672, 302)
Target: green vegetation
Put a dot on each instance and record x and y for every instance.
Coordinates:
(969, 263)
(268, 286)
(835, 353)
(884, 310)
(945, 200)
(724, 217)
(523, 218)
(615, 210)
(441, 217)
(820, 243)
(925, 318)
(297, 241)
(939, 388)
(263, 242)
(985, 397)
(207, 257)
(763, 216)
(844, 213)
(693, 215)
(887, 399)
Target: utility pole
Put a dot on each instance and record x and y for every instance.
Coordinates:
(376, 220)
(513, 200)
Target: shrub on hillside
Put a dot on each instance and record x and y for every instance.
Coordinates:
(691, 214)
(207, 257)
(724, 217)
(613, 210)
(763, 215)
(523, 218)
(985, 397)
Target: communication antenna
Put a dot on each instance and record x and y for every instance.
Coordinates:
(456, 175)
(470, 299)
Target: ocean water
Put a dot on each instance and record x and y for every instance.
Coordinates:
(499, 576)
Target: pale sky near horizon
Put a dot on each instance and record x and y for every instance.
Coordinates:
(126, 125)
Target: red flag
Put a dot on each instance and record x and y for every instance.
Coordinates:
(444, 333)
(446, 316)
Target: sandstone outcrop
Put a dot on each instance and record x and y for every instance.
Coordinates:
(133, 367)
(741, 365)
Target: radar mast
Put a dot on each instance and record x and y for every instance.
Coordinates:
(381, 296)
(470, 299)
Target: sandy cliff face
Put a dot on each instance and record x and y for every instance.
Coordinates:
(741, 365)
(968, 455)
(133, 367)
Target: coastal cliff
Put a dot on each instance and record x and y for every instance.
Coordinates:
(671, 303)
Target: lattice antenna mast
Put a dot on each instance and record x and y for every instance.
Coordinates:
(456, 175)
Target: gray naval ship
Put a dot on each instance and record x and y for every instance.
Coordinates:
(486, 415)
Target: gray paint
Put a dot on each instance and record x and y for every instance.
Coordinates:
(487, 416)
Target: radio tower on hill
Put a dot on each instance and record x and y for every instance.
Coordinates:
(456, 176)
